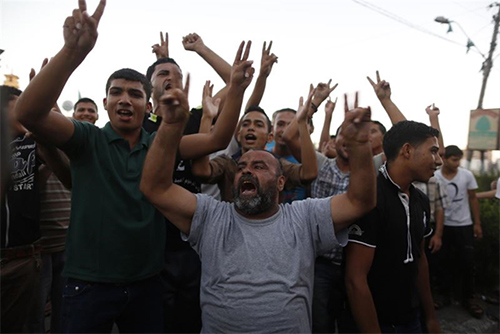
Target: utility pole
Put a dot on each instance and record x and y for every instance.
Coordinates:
(487, 65)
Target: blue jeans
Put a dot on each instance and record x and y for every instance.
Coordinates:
(90, 307)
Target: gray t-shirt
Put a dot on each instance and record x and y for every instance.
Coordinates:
(257, 275)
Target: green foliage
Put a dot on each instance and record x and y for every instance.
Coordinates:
(487, 250)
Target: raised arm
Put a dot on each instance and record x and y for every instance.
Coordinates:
(200, 144)
(383, 91)
(201, 166)
(266, 65)
(361, 194)
(309, 168)
(325, 132)
(173, 201)
(291, 134)
(433, 113)
(193, 42)
(34, 105)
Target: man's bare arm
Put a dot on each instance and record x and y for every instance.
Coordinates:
(309, 167)
(359, 259)
(173, 201)
(200, 144)
(474, 206)
(325, 131)
(34, 106)
(433, 113)
(360, 197)
(424, 292)
(266, 65)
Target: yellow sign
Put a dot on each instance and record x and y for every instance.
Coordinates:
(483, 129)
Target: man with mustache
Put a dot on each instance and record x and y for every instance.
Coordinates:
(257, 255)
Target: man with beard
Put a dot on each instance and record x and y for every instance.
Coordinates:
(257, 255)
(253, 134)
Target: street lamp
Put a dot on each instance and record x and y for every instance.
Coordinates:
(470, 43)
(487, 63)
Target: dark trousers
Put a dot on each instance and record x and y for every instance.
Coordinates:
(328, 296)
(90, 307)
(457, 260)
(19, 281)
(181, 291)
(51, 284)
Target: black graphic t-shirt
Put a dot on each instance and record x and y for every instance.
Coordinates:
(21, 206)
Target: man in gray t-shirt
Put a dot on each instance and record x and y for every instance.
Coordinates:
(257, 255)
(263, 268)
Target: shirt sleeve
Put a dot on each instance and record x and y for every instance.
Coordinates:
(79, 141)
(205, 205)
(318, 213)
(471, 184)
(292, 173)
(218, 166)
(365, 231)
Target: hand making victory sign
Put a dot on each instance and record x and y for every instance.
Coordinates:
(80, 29)
(161, 50)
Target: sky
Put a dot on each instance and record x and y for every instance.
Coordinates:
(315, 40)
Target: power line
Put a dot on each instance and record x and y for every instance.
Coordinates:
(405, 22)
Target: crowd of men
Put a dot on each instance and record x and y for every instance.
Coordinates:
(172, 219)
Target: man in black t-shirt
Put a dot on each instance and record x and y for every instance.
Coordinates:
(20, 225)
(387, 275)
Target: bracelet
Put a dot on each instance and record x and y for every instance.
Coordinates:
(315, 107)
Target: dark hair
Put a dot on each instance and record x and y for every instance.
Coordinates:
(151, 69)
(453, 150)
(283, 110)
(411, 132)
(130, 75)
(259, 109)
(85, 100)
(380, 126)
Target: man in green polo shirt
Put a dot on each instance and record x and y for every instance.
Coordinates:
(116, 238)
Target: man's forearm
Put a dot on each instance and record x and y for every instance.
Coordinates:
(159, 165)
(362, 307)
(325, 132)
(423, 286)
(362, 185)
(220, 66)
(43, 91)
(309, 170)
(392, 111)
(258, 91)
(228, 118)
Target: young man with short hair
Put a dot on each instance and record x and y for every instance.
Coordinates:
(85, 109)
(386, 268)
(460, 229)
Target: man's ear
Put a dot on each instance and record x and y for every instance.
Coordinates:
(149, 107)
(105, 103)
(270, 137)
(281, 182)
(407, 150)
